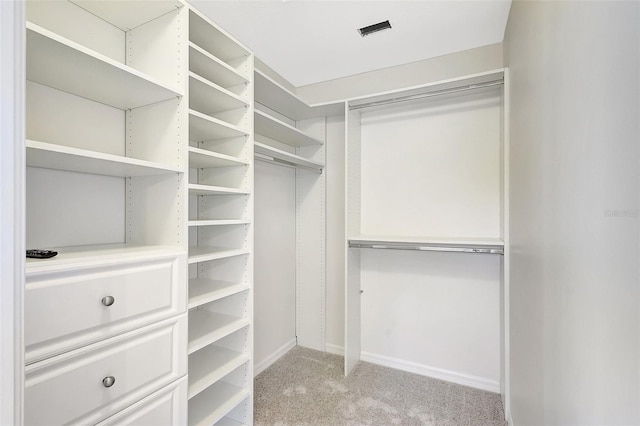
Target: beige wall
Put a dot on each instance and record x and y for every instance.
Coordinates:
(574, 302)
(458, 64)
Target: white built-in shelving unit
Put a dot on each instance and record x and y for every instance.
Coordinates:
(107, 189)
(291, 133)
(220, 226)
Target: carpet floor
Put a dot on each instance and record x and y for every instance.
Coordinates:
(307, 387)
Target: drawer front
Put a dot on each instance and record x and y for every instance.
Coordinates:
(167, 407)
(92, 383)
(69, 310)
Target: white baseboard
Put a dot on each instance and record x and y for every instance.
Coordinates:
(334, 349)
(265, 363)
(509, 419)
(436, 373)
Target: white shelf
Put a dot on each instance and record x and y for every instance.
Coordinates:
(205, 128)
(278, 98)
(214, 403)
(205, 254)
(202, 290)
(202, 158)
(207, 327)
(282, 132)
(209, 37)
(197, 189)
(218, 222)
(213, 69)
(65, 65)
(209, 365)
(59, 157)
(208, 97)
(488, 245)
(286, 157)
(69, 258)
(127, 15)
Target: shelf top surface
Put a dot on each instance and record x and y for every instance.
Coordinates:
(70, 258)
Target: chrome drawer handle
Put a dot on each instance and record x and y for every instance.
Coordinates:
(108, 381)
(108, 300)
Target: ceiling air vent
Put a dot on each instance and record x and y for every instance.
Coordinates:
(380, 26)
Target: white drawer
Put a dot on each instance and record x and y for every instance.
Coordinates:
(166, 407)
(65, 310)
(71, 389)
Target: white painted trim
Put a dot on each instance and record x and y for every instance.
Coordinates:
(12, 235)
(334, 349)
(434, 372)
(509, 419)
(266, 363)
(506, 312)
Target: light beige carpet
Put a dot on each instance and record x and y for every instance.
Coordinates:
(307, 387)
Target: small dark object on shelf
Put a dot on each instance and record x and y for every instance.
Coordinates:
(41, 254)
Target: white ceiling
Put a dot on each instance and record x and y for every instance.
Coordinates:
(308, 41)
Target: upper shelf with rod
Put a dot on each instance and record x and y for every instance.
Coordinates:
(460, 245)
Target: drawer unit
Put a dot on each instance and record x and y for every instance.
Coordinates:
(90, 384)
(164, 408)
(67, 309)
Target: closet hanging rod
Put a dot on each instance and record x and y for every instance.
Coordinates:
(277, 161)
(406, 98)
(398, 246)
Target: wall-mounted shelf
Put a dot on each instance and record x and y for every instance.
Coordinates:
(203, 290)
(65, 65)
(211, 98)
(208, 66)
(286, 157)
(197, 189)
(205, 128)
(59, 157)
(221, 395)
(208, 327)
(201, 375)
(202, 158)
(278, 98)
(205, 253)
(275, 129)
(128, 14)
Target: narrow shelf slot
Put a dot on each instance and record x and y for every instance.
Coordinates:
(205, 128)
(206, 34)
(65, 65)
(286, 157)
(207, 327)
(202, 158)
(213, 69)
(214, 403)
(208, 365)
(282, 132)
(127, 15)
(205, 254)
(209, 98)
(203, 291)
(59, 157)
(197, 189)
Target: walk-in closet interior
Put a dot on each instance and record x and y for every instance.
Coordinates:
(210, 214)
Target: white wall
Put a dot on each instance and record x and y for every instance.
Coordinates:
(275, 262)
(575, 108)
